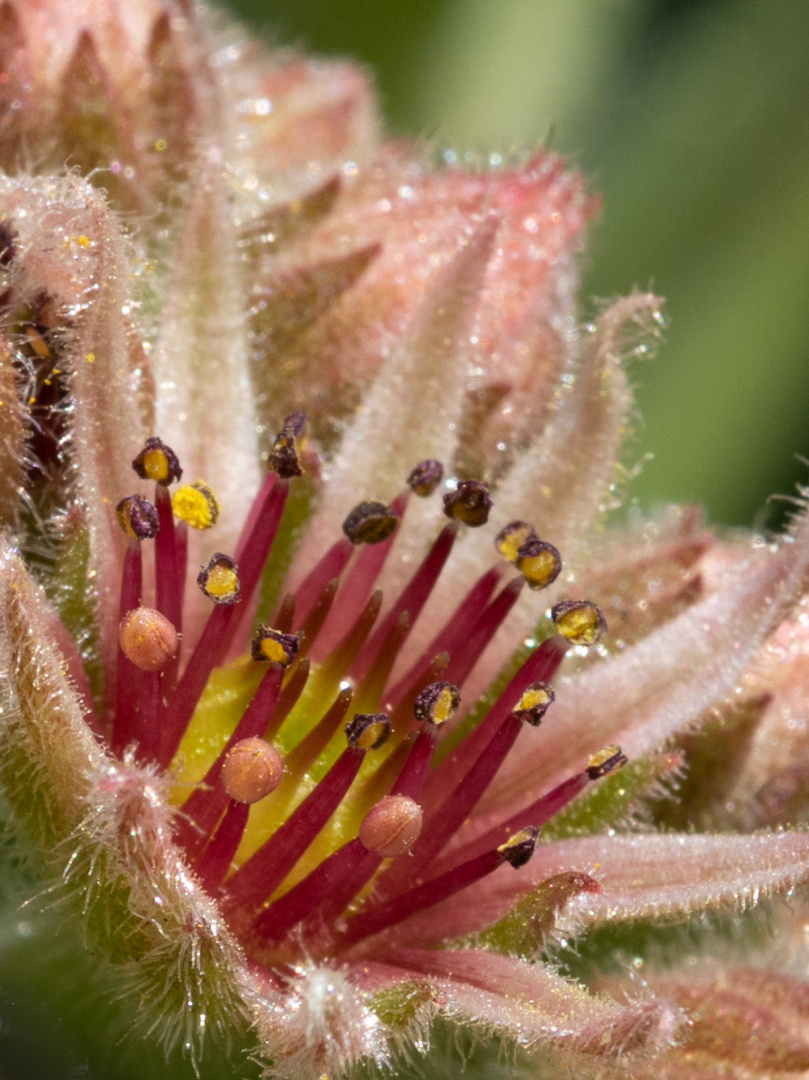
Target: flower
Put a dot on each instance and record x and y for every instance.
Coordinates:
(262, 722)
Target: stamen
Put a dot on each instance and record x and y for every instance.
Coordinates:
(370, 523)
(580, 621)
(370, 690)
(138, 517)
(539, 563)
(212, 866)
(158, 462)
(470, 503)
(196, 505)
(330, 567)
(534, 703)
(128, 677)
(516, 851)
(493, 617)
(546, 806)
(368, 731)
(437, 703)
(412, 599)
(285, 617)
(312, 745)
(288, 698)
(219, 579)
(510, 539)
(265, 870)
(425, 477)
(311, 626)
(147, 638)
(171, 556)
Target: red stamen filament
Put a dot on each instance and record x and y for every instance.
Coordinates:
(215, 861)
(309, 592)
(128, 677)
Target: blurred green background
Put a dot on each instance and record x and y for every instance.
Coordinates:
(692, 119)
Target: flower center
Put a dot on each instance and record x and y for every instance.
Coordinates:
(329, 801)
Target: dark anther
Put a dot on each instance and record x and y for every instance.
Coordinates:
(580, 621)
(368, 731)
(219, 579)
(510, 539)
(519, 848)
(137, 517)
(284, 457)
(539, 562)
(272, 645)
(605, 761)
(534, 703)
(470, 503)
(426, 477)
(157, 462)
(437, 703)
(370, 523)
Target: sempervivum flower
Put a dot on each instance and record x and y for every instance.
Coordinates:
(276, 725)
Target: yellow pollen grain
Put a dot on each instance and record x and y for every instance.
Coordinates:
(444, 707)
(90, 357)
(222, 581)
(531, 699)
(580, 625)
(274, 651)
(371, 736)
(196, 505)
(156, 466)
(601, 757)
(538, 569)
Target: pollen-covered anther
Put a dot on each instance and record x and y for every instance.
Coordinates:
(605, 761)
(138, 517)
(511, 538)
(370, 523)
(196, 505)
(580, 621)
(158, 462)
(284, 457)
(219, 579)
(392, 826)
(274, 646)
(426, 477)
(368, 731)
(539, 562)
(252, 770)
(470, 503)
(437, 703)
(519, 848)
(534, 703)
(147, 638)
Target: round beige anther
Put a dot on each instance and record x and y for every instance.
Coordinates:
(147, 638)
(392, 826)
(252, 770)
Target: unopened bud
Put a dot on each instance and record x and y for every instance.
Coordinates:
(539, 563)
(580, 621)
(251, 770)
(392, 826)
(605, 761)
(519, 848)
(368, 731)
(219, 579)
(196, 505)
(147, 638)
(534, 703)
(470, 503)
(510, 539)
(437, 703)
(275, 647)
(426, 477)
(138, 517)
(158, 462)
(370, 523)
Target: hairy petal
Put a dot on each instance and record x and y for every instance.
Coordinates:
(13, 413)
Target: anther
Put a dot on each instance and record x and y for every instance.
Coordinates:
(534, 703)
(470, 503)
(219, 579)
(392, 826)
(519, 848)
(426, 477)
(147, 638)
(138, 517)
(284, 457)
(510, 539)
(158, 462)
(370, 523)
(539, 562)
(437, 703)
(272, 645)
(196, 505)
(605, 761)
(580, 621)
(252, 770)
(368, 731)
